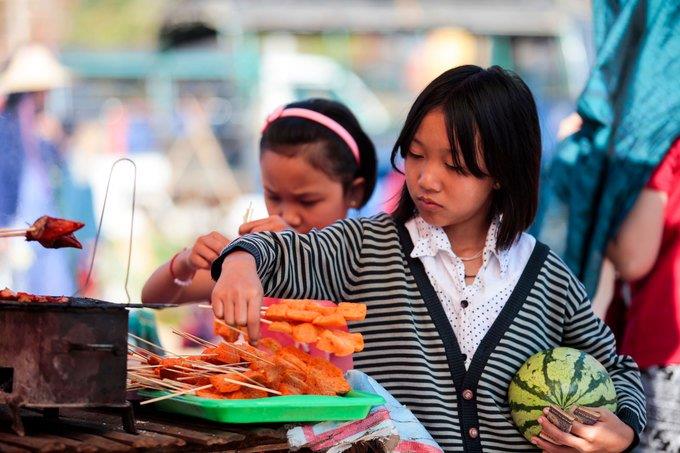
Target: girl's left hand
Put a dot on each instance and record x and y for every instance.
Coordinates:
(609, 434)
(272, 223)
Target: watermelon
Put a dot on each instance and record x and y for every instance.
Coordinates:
(564, 377)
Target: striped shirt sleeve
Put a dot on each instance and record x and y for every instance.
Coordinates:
(317, 265)
(586, 332)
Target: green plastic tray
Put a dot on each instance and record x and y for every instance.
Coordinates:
(293, 408)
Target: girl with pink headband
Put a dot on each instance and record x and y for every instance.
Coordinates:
(316, 163)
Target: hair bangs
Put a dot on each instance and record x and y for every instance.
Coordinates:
(464, 136)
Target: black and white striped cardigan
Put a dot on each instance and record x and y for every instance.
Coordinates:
(410, 347)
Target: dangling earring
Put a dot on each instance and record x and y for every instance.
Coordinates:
(496, 185)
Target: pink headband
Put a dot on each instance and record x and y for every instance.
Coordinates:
(317, 117)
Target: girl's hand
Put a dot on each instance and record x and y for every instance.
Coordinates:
(608, 434)
(204, 251)
(272, 223)
(237, 296)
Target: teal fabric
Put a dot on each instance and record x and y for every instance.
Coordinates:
(142, 323)
(631, 115)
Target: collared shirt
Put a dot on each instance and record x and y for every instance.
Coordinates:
(471, 309)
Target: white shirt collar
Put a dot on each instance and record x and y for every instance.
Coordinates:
(432, 240)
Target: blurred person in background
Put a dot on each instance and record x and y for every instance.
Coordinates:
(28, 188)
(646, 254)
(616, 178)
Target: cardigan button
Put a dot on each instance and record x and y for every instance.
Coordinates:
(468, 394)
(473, 433)
(464, 303)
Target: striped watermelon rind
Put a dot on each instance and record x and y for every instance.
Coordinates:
(562, 376)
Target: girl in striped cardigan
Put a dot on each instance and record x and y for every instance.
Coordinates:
(458, 295)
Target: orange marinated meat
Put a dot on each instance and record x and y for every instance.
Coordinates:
(209, 393)
(225, 354)
(288, 389)
(330, 375)
(248, 353)
(292, 358)
(341, 346)
(269, 345)
(272, 374)
(356, 338)
(332, 321)
(228, 334)
(352, 311)
(286, 369)
(281, 326)
(246, 393)
(277, 312)
(305, 333)
(228, 382)
(171, 373)
(302, 315)
(324, 343)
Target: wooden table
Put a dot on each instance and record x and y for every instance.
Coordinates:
(89, 431)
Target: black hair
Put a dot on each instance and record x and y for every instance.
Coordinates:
(490, 114)
(334, 156)
(13, 100)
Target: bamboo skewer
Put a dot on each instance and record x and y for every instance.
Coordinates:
(239, 371)
(248, 214)
(142, 376)
(262, 309)
(194, 338)
(252, 386)
(214, 368)
(248, 353)
(14, 232)
(232, 328)
(10, 235)
(159, 382)
(151, 344)
(175, 394)
(142, 367)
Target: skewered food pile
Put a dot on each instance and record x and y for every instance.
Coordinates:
(9, 295)
(306, 321)
(238, 371)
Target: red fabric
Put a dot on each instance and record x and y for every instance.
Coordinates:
(652, 335)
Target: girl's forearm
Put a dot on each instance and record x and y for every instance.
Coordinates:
(635, 247)
(289, 264)
(162, 288)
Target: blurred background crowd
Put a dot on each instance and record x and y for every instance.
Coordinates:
(182, 88)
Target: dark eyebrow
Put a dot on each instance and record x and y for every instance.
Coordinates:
(296, 195)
